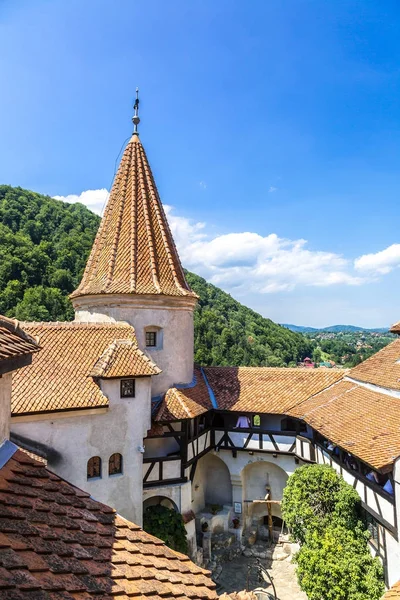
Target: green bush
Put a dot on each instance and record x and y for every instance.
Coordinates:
(314, 496)
(337, 565)
(166, 524)
(323, 513)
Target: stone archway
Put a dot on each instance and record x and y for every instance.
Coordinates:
(255, 477)
(212, 483)
(163, 500)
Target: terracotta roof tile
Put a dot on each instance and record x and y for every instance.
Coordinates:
(94, 553)
(393, 593)
(266, 389)
(366, 423)
(185, 402)
(248, 389)
(134, 252)
(14, 341)
(395, 328)
(58, 378)
(122, 359)
(382, 368)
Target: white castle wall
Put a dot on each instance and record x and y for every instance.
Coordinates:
(79, 437)
(172, 315)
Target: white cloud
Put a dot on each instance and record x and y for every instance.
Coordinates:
(93, 199)
(272, 189)
(381, 262)
(251, 262)
(246, 262)
(203, 185)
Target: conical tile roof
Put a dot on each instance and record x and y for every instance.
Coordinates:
(134, 252)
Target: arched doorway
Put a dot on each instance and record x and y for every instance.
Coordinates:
(257, 479)
(162, 500)
(211, 483)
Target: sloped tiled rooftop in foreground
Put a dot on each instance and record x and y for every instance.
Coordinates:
(57, 543)
(14, 341)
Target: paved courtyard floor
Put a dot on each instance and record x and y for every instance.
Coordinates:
(234, 577)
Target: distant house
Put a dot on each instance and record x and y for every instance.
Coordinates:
(307, 362)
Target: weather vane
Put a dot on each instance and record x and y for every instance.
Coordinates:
(135, 118)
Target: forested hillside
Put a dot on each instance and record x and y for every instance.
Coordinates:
(228, 333)
(44, 245)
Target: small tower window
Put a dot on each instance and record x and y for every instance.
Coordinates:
(127, 388)
(115, 464)
(151, 339)
(94, 467)
(256, 421)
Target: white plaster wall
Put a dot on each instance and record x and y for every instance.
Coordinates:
(155, 447)
(5, 406)
(211, 483)
(392, 558)
(78, 438)
(173, 316)
(392, 545)
(179, 493)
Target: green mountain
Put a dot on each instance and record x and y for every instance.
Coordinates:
(335, 329)
(44, 245)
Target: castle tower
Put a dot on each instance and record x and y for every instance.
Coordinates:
(134, 273)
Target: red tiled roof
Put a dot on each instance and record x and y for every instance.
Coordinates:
(382, 368)
(185, 402)
(123, 359)
(14, 341)
(393, 593)
(134, 252)
(366, 423)
(57, 543)
(395, 328)
(58, 378)
(266, 389)
(248, 389)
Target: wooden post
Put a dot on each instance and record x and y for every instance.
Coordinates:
(269, 510)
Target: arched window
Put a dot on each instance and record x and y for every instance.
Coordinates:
(94, 467)
(115, 464)
(256, 421)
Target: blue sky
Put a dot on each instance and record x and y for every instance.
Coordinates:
(265, 123)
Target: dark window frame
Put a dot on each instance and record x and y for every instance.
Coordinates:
(123, 382)
(151, 339)
(93, 468)
(113, 464)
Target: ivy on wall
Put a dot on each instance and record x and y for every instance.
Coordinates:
(166, 524)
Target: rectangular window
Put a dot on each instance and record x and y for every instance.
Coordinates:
(256, 421)
(373, 527)
(127, 388)
(151, 339)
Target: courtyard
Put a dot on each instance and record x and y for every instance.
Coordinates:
(241, 573)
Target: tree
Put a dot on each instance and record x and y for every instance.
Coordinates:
(323, 512)
(337, 565)
(166, 524)
(316, 495)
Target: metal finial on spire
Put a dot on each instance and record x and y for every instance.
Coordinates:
(135, 118)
